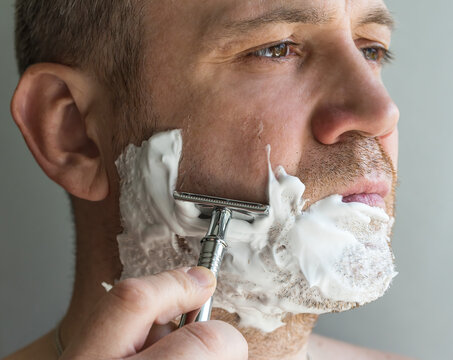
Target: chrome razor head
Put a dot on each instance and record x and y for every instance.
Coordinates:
(241, 209)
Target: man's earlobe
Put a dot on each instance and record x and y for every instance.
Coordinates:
(52, 106)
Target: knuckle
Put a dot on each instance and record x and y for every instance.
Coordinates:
(131, 294)
(181, 285)
(178, 278)
(209, 339)
(217, 337)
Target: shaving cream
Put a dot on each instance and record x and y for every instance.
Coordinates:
(332, 257)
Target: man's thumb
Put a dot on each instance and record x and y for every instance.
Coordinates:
(123, 318)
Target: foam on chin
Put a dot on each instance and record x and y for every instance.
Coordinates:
(332, 257)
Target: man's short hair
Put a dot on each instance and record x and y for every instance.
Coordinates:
(103, 37)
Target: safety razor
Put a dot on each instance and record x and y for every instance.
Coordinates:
(214, 244)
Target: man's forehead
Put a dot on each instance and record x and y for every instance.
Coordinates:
(228, 13)
(216, 19)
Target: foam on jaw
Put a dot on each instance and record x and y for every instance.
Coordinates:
(331, 257)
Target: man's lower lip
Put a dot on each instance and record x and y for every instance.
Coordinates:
(375, 200)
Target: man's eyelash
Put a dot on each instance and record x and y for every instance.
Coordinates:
(280, 51)
(377, 54)
(274, 52)
(389, 56)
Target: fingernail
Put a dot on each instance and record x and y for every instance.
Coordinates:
(203, 276)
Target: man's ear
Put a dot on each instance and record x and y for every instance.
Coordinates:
(54, 108)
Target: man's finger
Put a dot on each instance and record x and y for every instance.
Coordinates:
(121, 322)
(202, 341)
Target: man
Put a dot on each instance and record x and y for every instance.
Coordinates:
(303, 76)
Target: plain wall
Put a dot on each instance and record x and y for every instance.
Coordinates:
(414, 318)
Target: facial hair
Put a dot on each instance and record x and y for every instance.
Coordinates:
(274, 266)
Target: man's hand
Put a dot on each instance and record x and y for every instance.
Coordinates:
(120, 326)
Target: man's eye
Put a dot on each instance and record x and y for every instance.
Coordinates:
(377, 54)
(274, 52)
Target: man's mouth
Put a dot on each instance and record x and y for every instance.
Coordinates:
(375, 200)
(368, 192)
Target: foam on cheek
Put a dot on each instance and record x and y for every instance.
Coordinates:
(332, 257)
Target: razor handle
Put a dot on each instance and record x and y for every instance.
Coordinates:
(213, 247)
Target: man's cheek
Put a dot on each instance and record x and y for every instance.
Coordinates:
(224, 163)
(227, 156)
(259, 118)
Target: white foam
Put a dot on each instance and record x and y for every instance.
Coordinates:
(331, 257)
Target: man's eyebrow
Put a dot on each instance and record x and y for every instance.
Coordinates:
(313, 16)
(379, 15)
(280, 15)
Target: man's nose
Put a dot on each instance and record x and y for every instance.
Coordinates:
(354, 99)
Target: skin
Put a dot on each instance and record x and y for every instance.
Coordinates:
(322, 108)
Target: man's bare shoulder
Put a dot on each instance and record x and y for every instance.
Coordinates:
(42, 348)
(320, 347)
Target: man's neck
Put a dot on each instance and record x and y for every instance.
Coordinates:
(98, 261)
(288, 342)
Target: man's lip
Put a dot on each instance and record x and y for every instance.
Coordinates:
(368, 192)
(374, 200)
(381, 188)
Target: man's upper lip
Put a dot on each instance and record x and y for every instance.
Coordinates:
(365, 186)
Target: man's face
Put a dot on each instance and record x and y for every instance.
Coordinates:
(303, 76)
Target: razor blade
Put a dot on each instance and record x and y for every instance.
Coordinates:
(241, 209)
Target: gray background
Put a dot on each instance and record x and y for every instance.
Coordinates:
(414, 318)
